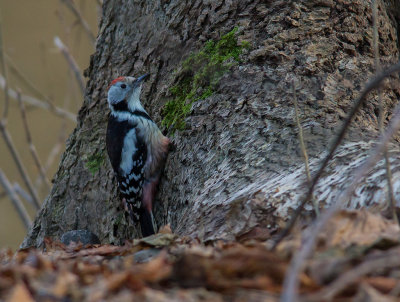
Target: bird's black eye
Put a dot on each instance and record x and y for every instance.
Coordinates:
(123, 86)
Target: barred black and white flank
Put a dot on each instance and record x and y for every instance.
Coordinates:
(137, 150)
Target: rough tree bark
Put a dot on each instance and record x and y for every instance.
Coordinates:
(238, 163)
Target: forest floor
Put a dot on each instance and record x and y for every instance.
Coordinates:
(357, 258)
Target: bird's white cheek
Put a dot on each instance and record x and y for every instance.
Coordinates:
(115, 95)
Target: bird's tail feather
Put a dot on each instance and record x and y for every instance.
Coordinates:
(147, 223)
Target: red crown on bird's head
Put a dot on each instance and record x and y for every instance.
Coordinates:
(119, 79)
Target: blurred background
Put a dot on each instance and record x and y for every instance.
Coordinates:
(46, 46)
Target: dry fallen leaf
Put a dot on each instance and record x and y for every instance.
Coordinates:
(369, 294)
(383, 284)
(361, 228)
(65, 280)
(155, 270)
(20, 294)
(117, 280)
(159, 240)
(166, 229)
(257, 233)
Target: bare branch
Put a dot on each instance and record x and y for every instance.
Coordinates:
(71, 62)
(21, 192)
(23, 214)
(20, 165)
(291, 280)
(37, 103)
(32, 147)
(20, 75)
(391, 200)
(302, 145)
(54, 151)
(4, 71)
(373, 84)
(80, 18)
(385, 261)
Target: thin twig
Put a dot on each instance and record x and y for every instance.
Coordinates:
(7, 136)
(375, 82)
(388, 260)
(4, 72)
(391, 199)
(290, 292)
(20, 165)
(17, 203)
(71, 85)
(48, 76)
(71, 62)
(54, 151)
(303, 146)
(20, 75)
(99, 10)
(21, 192)
(36, 102)
(80, 18)
(32, 147)
(57, 148)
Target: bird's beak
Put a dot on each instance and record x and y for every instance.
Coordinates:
(142, 78)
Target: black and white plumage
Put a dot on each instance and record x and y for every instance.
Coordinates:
(137, 149)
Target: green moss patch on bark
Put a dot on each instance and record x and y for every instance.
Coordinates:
(199, 75)
(94, 162)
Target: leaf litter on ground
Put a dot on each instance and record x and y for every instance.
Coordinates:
(357, 258)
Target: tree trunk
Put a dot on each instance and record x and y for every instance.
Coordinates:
(237, 163)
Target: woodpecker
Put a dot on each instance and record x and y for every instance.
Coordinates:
(136, 148)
